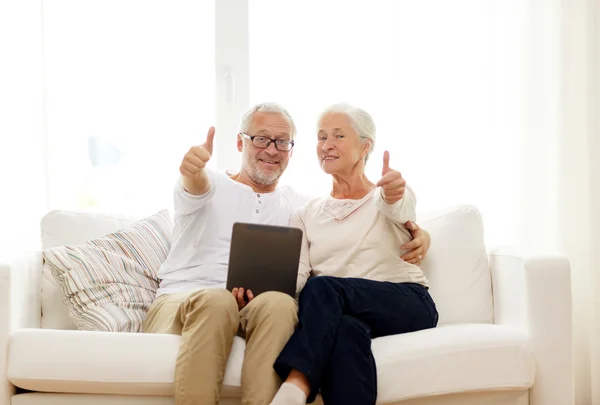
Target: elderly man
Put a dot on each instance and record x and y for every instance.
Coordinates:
(192, 300)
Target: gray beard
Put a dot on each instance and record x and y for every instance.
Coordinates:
(261, 177)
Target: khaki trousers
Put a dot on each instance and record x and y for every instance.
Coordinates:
(207, 321)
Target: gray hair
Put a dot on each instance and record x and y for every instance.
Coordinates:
(246, 120)
(362, 122)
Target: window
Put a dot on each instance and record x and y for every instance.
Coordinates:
(132, 84)
(438, 78)
(129, 88)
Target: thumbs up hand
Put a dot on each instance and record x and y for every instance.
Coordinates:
(195, 179)
(392, 184)
(198, 156)
(210, 137)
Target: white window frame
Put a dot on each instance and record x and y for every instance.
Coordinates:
(232, 69)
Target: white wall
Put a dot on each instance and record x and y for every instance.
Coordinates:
(22, 175)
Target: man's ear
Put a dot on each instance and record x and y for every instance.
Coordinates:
(240, 142)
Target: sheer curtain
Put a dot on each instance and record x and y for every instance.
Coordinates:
(560, 198)
(579, 193)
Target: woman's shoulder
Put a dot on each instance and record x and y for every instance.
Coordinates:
(315, 203)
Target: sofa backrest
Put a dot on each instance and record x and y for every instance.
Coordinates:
(456, 265)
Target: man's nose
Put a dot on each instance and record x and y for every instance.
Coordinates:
(272, 149)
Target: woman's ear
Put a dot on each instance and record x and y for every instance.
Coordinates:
(366, 148)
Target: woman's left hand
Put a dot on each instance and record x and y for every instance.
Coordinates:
(392, 184)
(417, 247)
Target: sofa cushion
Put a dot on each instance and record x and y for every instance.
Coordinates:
(60, 228)
(120, 363)
(457, 265)
(109, 282)
(449, 359)
(452, 359)
(55, 314)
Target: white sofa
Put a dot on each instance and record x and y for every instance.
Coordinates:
(504, 335)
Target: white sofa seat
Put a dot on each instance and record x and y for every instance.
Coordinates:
(452, 359)
(103, 363)
(449, 359)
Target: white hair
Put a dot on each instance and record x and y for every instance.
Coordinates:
(246, 120)
(362, 122)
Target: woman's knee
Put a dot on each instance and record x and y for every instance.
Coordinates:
(351, 326)
(319, 284)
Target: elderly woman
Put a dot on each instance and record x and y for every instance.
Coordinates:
(361, 288)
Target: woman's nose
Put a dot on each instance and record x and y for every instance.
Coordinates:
(327, 145)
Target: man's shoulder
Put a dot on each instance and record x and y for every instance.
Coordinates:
(220, 176)
(296, 198)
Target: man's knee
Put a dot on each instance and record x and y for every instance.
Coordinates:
(273, 304)
(214, 300)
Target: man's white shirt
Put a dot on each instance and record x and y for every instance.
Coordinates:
(199, 254)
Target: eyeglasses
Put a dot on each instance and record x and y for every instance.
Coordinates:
(263, 142)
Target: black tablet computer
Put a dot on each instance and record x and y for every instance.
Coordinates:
(264, 258)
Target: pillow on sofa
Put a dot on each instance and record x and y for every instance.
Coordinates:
(109, 282)
(457, 265)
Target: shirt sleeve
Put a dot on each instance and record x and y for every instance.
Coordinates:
(304, 268)
(401, 211)
(186, 203)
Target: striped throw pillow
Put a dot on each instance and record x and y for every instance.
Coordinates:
(110, 282)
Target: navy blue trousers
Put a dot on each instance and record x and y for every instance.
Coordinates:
(337, 318)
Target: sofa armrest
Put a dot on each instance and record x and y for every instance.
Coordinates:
(533, 293)
(20, 306)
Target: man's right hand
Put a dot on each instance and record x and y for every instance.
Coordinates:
(195, 180)
(238, 294)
